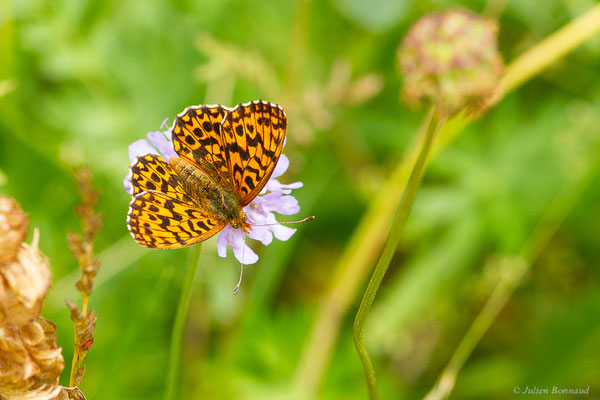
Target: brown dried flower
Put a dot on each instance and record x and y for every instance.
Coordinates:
(24, 282)
(14, 225)
(24, 273)
(30, 361)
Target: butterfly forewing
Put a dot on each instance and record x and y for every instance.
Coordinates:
(197, 138)
(253, 134)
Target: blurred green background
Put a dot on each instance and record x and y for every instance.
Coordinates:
(81, 79)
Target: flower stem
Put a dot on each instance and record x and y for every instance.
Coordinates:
(551, 49)
(408, 198)
(179, 323)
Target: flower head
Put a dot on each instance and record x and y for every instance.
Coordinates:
(274, 198)
(451, 59)
(24, 274)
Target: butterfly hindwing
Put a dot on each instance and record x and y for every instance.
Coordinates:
(253, 134)
(157, 220)
(197, 138)
(152, 172)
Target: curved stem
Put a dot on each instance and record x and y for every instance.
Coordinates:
(179, 323)
(393, 240)
(551, 49)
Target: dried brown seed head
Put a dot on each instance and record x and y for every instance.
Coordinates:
(14, 225)
(31, 361)
(24, 283)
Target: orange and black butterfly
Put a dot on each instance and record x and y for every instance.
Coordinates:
(225, 158)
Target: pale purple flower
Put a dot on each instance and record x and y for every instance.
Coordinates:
(274, 198)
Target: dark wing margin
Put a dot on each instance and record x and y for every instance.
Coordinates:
(253, 134)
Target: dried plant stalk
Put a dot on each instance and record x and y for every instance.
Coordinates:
(82, 248)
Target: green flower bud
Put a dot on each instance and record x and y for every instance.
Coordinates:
(451, 59)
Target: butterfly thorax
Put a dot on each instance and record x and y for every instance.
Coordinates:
(208, 195)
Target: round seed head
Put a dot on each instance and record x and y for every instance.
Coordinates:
(451, 60)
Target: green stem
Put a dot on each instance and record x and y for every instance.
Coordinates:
(393, 240)
(179, 323)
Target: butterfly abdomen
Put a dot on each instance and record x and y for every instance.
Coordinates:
(207, 194)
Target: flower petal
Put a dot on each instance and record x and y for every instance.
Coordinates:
(282, 233)
(282, 166)
(161, 140)
(287, 205)
(223, 241)
(242, 252)
(295, 185)
(275, 186)
(235, 239)
(127, 184)
(139, 148)
(245, 256)
(262, 234)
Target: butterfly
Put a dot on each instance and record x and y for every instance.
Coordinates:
(225, 156)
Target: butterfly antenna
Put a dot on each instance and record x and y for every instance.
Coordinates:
(307, 219)
(164, 123)
(237, 287)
